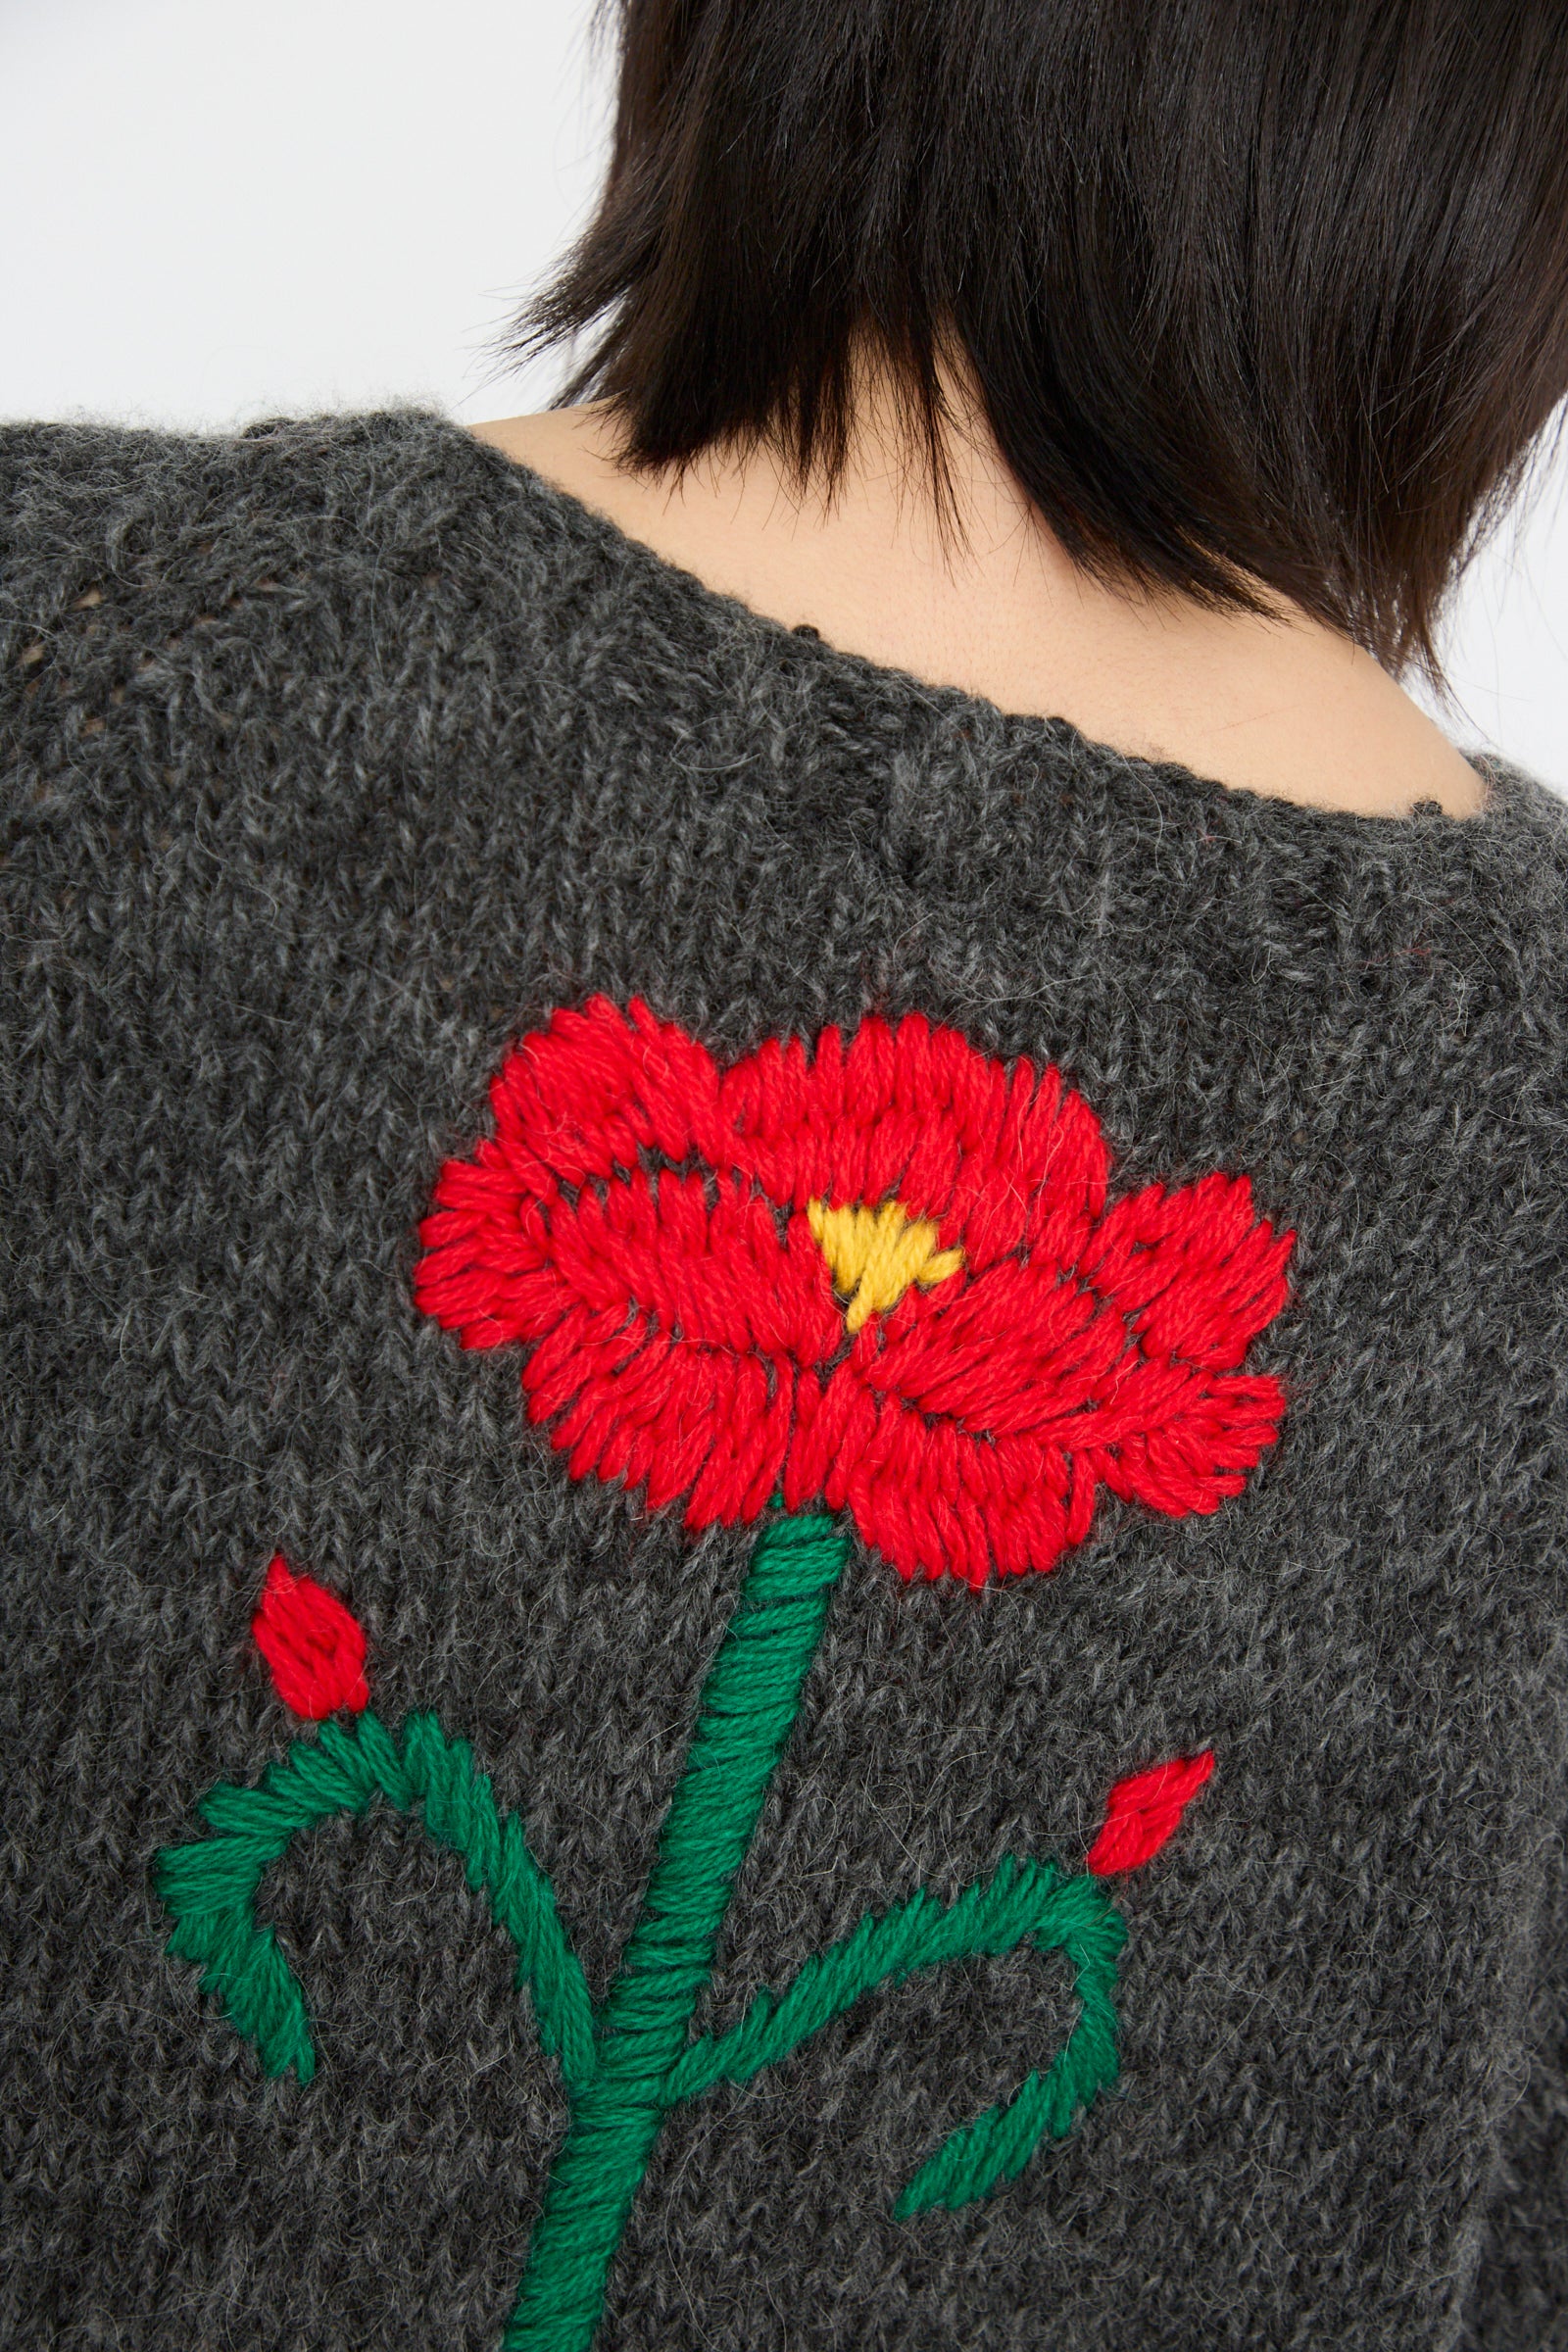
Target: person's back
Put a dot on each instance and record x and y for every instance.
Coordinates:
(783, 1442)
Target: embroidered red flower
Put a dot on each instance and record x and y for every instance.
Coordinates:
(882, 1275)
(314, 1648)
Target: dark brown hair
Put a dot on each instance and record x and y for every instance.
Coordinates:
(1268, 289)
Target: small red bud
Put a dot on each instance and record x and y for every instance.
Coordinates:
(314, 1648)
(1143, 1811)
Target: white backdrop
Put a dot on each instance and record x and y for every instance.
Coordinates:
(216, 212)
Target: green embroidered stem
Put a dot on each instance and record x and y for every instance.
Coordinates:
(211, 1885)
(748, 1708)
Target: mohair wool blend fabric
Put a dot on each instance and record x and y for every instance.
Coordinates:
(336, 757)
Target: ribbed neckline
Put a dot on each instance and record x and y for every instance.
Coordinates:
(1512, 795)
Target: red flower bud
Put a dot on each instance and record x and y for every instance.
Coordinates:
(1143, 1811)
(313, 1645)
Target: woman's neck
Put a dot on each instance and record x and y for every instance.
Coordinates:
(995, 606)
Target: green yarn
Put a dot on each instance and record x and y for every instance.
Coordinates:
(1081, 1921)
(1020, 1900)
(748, 1708)
(624, 2071)
(210, 1887)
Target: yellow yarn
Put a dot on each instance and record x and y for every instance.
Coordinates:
(873, 1254)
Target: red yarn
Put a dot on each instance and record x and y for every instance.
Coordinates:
(314, 1648)
(638, 1221)
(1143, 1811)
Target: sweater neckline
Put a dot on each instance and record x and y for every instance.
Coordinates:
(761, 635)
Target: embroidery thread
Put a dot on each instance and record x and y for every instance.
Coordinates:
(625, 2067)
(313, 1645)
(882, 1277)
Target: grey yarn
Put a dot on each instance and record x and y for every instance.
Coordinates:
(334, 756)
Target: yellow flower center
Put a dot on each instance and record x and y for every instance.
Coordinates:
(873, 1254)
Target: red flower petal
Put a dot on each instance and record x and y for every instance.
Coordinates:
(933, 1496)
(917, 1113)
(314, 1648)
(1014, 1351)
(1180, 1440)
(1193, 1270)
(935, 1500)
(1006, 1400)
(670, 1320)
(586, 1095)
(1143, 1811)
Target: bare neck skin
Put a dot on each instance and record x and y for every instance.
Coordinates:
(1283, 705)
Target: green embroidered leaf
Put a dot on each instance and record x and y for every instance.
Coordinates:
(972, 2160)
(1021, 1901)
(210, 1887)
(918, 1934)
(241, 1964)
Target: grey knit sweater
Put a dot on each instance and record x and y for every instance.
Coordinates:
(783, 1470)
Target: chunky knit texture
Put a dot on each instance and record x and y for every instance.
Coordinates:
(336, 757)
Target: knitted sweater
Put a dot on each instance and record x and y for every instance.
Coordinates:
(783, 1473)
